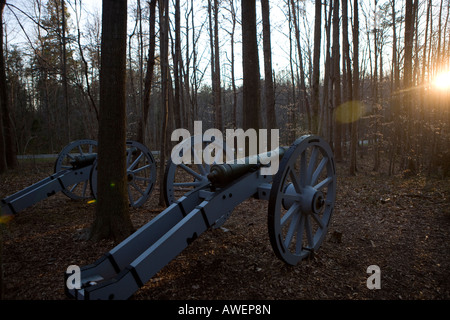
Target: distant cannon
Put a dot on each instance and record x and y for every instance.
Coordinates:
(301, 200)
(76, 176)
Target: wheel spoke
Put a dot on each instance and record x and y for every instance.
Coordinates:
(308, 230)
(323, 183)
(312, 163)
(317, 219)
(137, 188)
(129, 154)
(292, 229)
(198, 162)
(301, 227)
(303, 169)
(295, 180)
(319, 169)
(142, 168)
(190, 171)
(136, 161)
(288, 214)
(142, 178)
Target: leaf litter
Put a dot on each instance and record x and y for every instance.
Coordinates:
(399, 224)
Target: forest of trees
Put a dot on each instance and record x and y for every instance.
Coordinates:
(362, 74)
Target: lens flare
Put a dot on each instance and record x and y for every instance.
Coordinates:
(349, 112)
(5, 218)
(442, 81)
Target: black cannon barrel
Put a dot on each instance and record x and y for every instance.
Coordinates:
(84, 160)
(222, 174)
(87, 159)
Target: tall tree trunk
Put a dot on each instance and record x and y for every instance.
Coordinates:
(164, 60)
(3, 94)
(346, 74)
(268, 78)
(217, 87)
(8, 130)
(194, 63)
(112, 219)
(177, 67)
(407, 76)
(355, 105)
(64, 69)
(250, 63)
(336, 80)
(142, 125)
(315, 101)
(375, 92)
(213, 12)
(233, 77)
(303, 94)
(325, 125)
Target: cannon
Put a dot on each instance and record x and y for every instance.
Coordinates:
(76, 176)
(301, 199)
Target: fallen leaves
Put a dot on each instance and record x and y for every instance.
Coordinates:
(401, 225)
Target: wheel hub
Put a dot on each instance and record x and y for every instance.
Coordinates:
(310, 199)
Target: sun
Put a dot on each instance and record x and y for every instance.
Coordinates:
(442, 81)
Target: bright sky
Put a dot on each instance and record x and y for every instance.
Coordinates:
(279, 30)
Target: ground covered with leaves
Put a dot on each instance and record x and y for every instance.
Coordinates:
(401, 224)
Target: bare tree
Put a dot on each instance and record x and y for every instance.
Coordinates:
(336, 79)
(356, 96)
(112, 219)
(315, 102)
(142, 125)
(8, 130)
(268, 78)
(213, 13)
(407, 75)
(250, 62)
(303, 93)
(3, 95)
(164, 61)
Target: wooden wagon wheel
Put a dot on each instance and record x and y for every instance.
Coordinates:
(81, 190)
(141, 174)
(182, 178)
(302, 199)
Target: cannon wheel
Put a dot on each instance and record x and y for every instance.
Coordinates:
(141, 174)
(302, 199)
(181, 178)
(78, 191)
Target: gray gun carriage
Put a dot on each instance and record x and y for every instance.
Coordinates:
(301, 199)
(76, 176)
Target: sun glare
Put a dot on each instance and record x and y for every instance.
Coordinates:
(442, 81)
